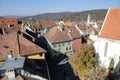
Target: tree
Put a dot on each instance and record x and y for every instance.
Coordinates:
(83, 60)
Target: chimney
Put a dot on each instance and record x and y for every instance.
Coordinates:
(8, 25)
(10, 73)
(10, 55)
(22, 27)
(33, 39)
(3, 30)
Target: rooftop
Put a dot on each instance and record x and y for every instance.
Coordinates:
(19, 45)
(56, 34)
(111, 26)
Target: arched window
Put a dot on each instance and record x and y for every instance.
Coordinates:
(106, 48)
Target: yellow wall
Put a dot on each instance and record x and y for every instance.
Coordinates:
(37, 56)
(1, 62)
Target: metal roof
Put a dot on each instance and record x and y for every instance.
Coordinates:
(13, 62)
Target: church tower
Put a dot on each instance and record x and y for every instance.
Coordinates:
(88, 19)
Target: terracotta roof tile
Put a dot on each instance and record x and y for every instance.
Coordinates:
(56, 35)
(19, 78)
(67, 24)
(9, 42)
(4, 78)
(13, 25)
(5, 21)
(111, 26)
(74, 32)
(28, 48)
(76, 45)
(43, 24)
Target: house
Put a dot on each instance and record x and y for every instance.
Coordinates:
(42, 26)
(9, 25)
(68, 23)
(108, 44)
(20, 47)
(10, 66)
(23, 69)
(61, 39)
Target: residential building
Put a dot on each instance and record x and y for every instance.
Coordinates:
(23, 69)
(20, 47)
(108, 44)
(9, 25)
(61, 39)
(42, 26)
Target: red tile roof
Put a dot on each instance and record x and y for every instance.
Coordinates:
(56, 35)
(67, 24)
(74, 32)
(47, 24)
(9, 42)
(43, 24)
(111, 26)
(4, 78)
(13, 25)
(76, 45)
(17, 78)
(5, 21)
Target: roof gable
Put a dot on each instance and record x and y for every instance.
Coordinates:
(56, 35)
(59, 34)
(9, 42)
(13, 62)
(111, 26)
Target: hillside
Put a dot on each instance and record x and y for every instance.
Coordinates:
(96, 15)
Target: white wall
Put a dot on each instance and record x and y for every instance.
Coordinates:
(113, 51)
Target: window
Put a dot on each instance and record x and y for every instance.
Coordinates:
(59, 50)
(69, 48)
(41, 54)
(63, 44)
(39, 29)
(54, 45)
(66, 48)
(68, 43)
(106, 48)
(59, 45)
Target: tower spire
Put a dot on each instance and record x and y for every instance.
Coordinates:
(88, 19)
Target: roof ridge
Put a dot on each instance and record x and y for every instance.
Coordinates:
(104, 21)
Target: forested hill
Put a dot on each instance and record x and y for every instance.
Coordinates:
(97, 15)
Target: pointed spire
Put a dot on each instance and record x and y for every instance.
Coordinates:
(88, 19)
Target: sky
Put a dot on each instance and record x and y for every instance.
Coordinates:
(33, 7)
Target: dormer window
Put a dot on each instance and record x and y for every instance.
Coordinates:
(10, 55)
(6, 46)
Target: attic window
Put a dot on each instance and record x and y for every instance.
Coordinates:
(11, 25)
(6, 46)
